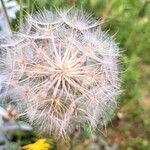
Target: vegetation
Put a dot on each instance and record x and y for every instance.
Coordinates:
(128, 21)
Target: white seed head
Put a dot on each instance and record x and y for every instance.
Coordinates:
(63, 69)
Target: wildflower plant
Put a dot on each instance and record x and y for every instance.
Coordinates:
(41, 144)
(63, 69)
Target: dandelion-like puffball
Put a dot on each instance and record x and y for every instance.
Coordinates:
(63, 69)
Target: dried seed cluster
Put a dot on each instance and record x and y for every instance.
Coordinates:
(63, 69)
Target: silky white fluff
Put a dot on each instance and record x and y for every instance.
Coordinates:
(64, 70)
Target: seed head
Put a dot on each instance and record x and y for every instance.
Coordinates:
(63, 70)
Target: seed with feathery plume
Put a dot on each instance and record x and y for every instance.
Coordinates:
(63, 69)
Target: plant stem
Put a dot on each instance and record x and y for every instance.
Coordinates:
(28, 6)
(106, 11)
(6, 15)
(143, 9)
(21, 13)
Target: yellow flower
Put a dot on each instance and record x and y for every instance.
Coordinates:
(41, 144)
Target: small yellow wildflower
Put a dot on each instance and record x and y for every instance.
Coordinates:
(41, 144)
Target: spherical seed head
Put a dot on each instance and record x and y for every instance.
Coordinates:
(63, 69)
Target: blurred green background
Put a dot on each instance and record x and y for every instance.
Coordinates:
(129, 22)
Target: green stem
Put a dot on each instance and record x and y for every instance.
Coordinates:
(28, 6)
(143, 9)
(21, 13)
(6, 15)
(106, 10)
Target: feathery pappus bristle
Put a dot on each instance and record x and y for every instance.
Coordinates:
(64, 70)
